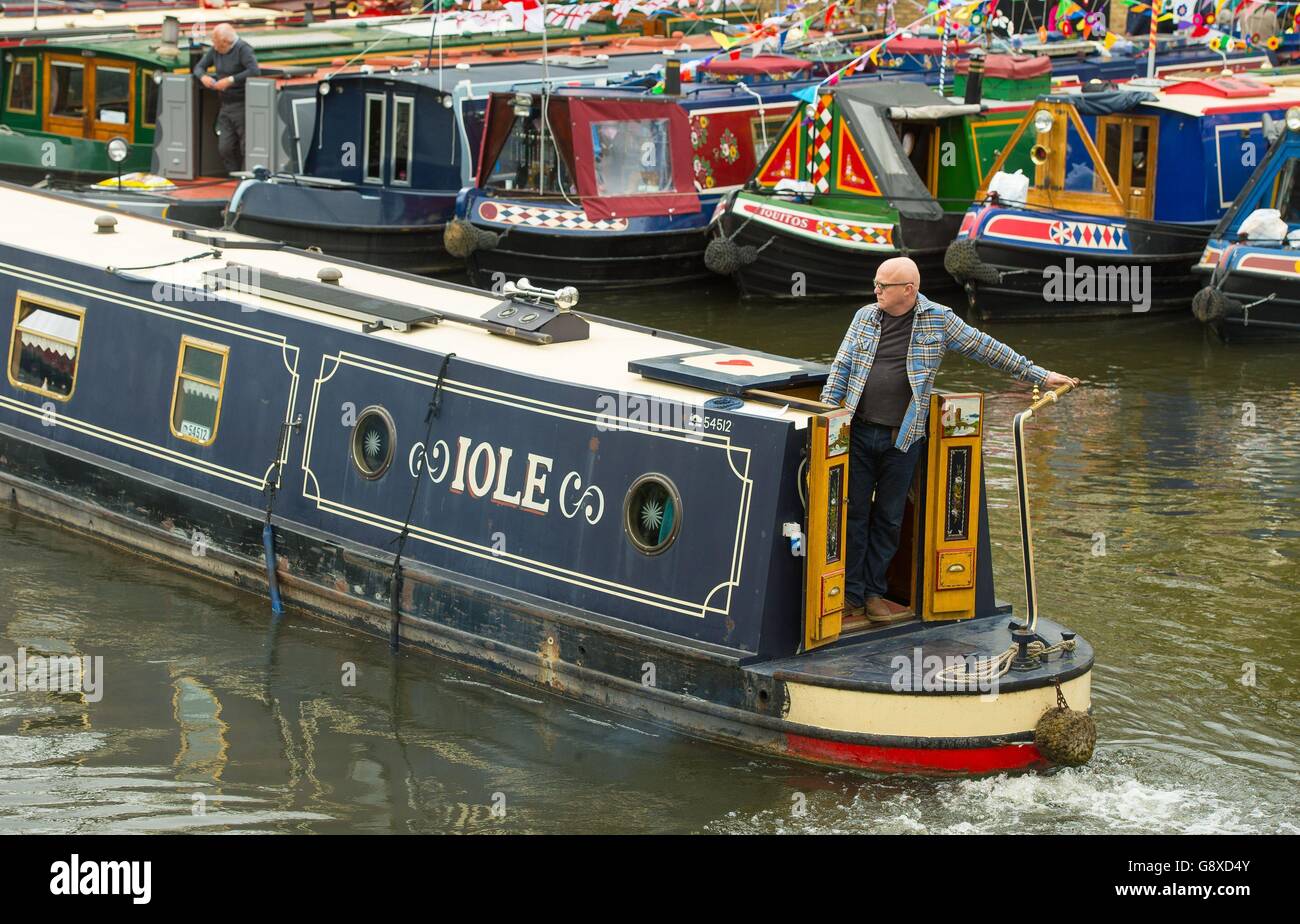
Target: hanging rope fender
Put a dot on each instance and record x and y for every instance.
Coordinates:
(1063, 735)
(395, 579)
(461, 238)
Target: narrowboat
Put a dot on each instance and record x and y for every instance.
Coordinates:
(64, 101)
(620, 193)
(1251, 265)
(1099, 204)
(389, 154)
(868, 171)
(649, 523)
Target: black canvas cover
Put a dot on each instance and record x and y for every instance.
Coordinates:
(1100, 104)
(866, 111)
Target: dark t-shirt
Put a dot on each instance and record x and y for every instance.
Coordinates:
(888, 392)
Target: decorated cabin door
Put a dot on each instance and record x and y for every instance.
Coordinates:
(824, 528)
(952, 506)
(1128, 148)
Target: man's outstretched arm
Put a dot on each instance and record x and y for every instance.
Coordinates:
(978, 345)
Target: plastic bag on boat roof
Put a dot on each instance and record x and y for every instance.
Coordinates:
(1010, 187)
(1293, 238)
(1264, 225)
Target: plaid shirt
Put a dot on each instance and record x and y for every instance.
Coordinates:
(935, 329)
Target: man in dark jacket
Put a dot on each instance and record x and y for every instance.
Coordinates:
(233, 61)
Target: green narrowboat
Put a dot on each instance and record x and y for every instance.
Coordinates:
(864, 171)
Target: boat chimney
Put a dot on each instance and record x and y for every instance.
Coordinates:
(105, 224)
(673, 77)
(330, 275)
(171, 36)
(308, 13)
(975, 77)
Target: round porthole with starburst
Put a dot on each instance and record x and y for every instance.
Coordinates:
(652, 513)
(372, 442)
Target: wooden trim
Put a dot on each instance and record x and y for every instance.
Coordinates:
(9, 87)
(54, 305)
(182, 375)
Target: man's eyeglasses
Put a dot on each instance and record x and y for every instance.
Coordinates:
(878, 286)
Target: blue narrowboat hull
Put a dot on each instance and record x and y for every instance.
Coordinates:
(495, 531)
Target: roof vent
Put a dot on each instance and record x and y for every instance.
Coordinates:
(105, 224)
(329, 275)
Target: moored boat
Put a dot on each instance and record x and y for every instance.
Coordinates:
(389, 154)
(1251, 265)
(644, 521)
(1113, 208)
(869, 171)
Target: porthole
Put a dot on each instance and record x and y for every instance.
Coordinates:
(373, 439)
(652, 513)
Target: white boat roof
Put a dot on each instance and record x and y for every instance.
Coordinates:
(66, 228)
(131, 20)
(1200, 104)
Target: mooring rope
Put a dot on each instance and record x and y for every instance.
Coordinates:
(990, 669)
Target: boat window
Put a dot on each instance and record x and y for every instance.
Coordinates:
(151, 80)
(517, 166)
(652, 513)
(22, 86)
(200, 380)
(875, 127)
(373, 439)
(765, 132)
(403, 139)
(45, 347)
(1080, 171)
(631, 157)
(1287, 200)
(113, 95)
(1141, 155)
(374, 153)
(67, 89)
(1112, 148)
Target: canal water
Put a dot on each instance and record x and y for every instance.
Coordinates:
(1166, 494)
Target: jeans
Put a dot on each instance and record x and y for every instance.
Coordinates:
(230, 140)
(873, 526)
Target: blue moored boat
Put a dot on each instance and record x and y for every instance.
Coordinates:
(1251, 265)
(1117, 208)
(649, 523)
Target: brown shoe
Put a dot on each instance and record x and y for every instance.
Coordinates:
(855, 611)
(878, 612)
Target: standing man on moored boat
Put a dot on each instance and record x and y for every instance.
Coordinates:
(234, 62)
(884, 372)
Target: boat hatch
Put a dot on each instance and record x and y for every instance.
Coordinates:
(736, 371)
(321, 296)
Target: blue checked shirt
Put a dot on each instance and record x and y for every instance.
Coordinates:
(935, 329)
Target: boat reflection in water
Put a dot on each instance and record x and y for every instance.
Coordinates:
(645, 521)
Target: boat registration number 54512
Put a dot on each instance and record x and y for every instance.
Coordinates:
(197, 431)
(704, 422)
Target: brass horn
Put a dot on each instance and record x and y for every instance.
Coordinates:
(1039, 154)
(353, 9)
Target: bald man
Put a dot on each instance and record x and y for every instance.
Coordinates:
(884, 372)
(233, 62)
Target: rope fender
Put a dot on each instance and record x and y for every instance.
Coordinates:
(462, 238)
(963, 263)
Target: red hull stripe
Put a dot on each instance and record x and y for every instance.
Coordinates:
(936, 760)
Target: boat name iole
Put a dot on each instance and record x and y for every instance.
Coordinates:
(482, 470)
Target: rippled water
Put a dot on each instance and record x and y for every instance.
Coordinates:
(1178, 460)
